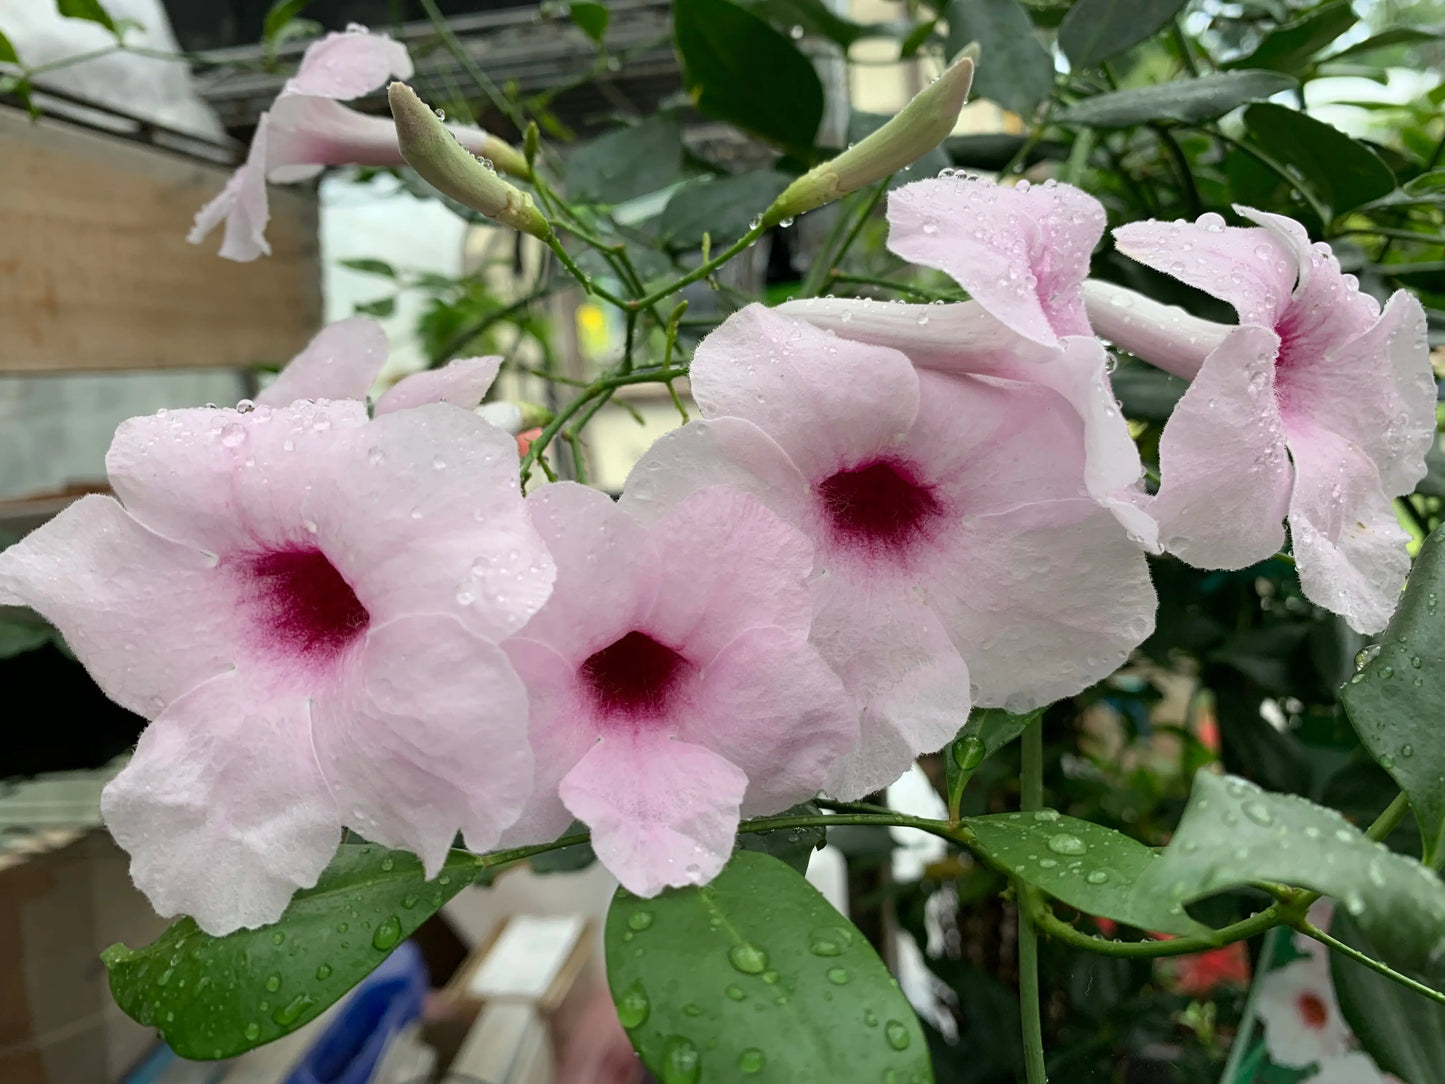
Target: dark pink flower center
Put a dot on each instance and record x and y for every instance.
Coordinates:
(1312, 1011)
(635, 676)
(306, 608)
(879, 507)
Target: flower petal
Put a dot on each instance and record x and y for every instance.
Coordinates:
(462, 383)
(1165, 336)
(222, 807)
(1250, 267)
(426, 737)
(1021, 252)
(1224, 471)
(1043, 601)
(341, 362)
(242, 205)
(148, 618)
(1302, 1020)
(762, 367)
(1349, 548)
(722, 451)
(663, 813)
(726, 564)
(1376, 390)
(349, 64)
(895, 656)
(772, 707)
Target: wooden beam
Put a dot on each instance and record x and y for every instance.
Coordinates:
(96, 272)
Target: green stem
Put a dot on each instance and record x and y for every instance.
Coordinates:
(1031, 798)
(1057, 929)
(1307, 928)
(893, 284)
(1239, 1050)
(1181, 162)
(702, 270)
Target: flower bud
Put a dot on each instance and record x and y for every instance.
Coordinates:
(918, 127)
(448, 167)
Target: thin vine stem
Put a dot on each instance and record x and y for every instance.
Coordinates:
(1031, 798)
(1307, 928)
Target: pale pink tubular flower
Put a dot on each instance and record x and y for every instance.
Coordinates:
(1318, 408)
(1301, 1017)
(344, 359)
(306, 604)
(1355, 1068)
(307, 128)
(673, 689)
(1022, 253)
(956, 540)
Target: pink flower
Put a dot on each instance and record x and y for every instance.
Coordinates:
(672, 685)
(345, 358)
(1318, 408)
(1021, 252)
(1302, 1021)
(1353, 1068)
(307, 128)
(956, 541)
(306, 603)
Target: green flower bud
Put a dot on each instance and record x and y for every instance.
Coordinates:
(918, 127)
(448, 167)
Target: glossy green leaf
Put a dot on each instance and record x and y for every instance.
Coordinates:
(370, 267)
(1014, 69)
(215, 997)
(738, 68)
(1341, 171)
(629, 162)
(1085, 865)
(723, 207)
(381, 307)
(1095, 30)
(756, 976)
(1401, 1030)
(1187, 101)
(590, 18)
(1427, 184)
(1146, 393)
(1397, 699)
(1233, 833)
(1395, 35)
(909, 46)
(811, 17)
(7, 50)
(1291, 46)
(986, 731)
(280, 15)
(89, 10)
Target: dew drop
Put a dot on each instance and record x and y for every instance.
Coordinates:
(289, 1013)
(273, 982)
(639, 920)
(680, 1062)
(1064, 843)
(829, 941)
(752, 1060)
(1258, 812)
(633, 1006)
(387, 934)
(896, 1032)
(969, 753)
(1097, 877)
(736, 993)
(252, 1032)
(748, 958)
(323, 972)
(838, 976)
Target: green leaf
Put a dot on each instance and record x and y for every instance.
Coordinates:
(7, 50)
(1095, 869)
(23, 630)
(278, 15)
(910, 45)
(739, 69)
(1234, 834)
(1014, 70)
(565, 859)
(1401, 1030)
(1147, 394)
(1095, 30)
(1397, 698)
(89, 10)
(813, 16)
(1292, 46)
(795, 846)
(1187, 101)
(216, 997)
(721, 206)
(627, 163)
(986, 731)
(590, 18)
(756, 973)
(370, 267)
(1341, 171)
(1395, 35)
(1427, 184)
(382, 306)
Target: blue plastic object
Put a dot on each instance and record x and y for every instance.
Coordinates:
(386, 1001)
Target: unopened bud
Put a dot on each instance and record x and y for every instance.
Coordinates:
(531, 143)
(448, 167)
(917, 128)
